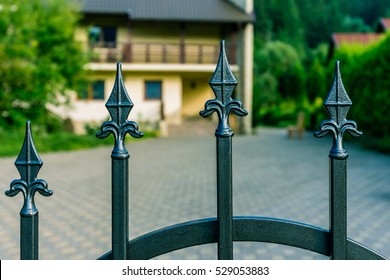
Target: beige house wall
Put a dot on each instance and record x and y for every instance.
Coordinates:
(202, 33)
(196, 91)
(172, 98)
(150, 110)
(155, 32)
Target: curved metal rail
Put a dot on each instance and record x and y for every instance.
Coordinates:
(255, 229)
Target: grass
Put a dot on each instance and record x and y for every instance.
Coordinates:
(12, 141)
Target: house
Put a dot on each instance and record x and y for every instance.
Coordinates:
(169, 50)
(339, 39)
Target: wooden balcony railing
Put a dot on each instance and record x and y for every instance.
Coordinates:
(159, 53)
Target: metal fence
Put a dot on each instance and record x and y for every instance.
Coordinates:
(224, 229)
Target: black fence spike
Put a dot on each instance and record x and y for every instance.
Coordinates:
(223, 84)
(337, 104)
(28, 164)
(119, 106)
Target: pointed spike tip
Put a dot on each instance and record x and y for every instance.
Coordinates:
(28, 126)
(223, 49)
(337, 67)
(28, 144)
(28, 134)
(119, 69)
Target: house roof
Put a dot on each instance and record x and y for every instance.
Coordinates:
(169, 10)
(339, 39)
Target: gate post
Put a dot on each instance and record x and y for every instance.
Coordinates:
(28, 164)
(337, 105)
(223, 83)
(119, 106)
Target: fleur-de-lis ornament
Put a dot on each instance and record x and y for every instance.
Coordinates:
(28, 164)
(337, 104)
(119, 106)
(223, 84)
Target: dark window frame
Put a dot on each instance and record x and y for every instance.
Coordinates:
(146, 95)
(91, 92)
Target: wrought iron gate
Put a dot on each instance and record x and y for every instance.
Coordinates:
(224, 229)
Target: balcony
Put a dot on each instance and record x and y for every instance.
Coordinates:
(160, 53)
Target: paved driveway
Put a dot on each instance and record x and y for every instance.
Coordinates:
(172, 180)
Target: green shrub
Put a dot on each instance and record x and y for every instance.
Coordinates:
(366, 78)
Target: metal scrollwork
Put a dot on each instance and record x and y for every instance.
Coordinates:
(28, 164)
(337, 104)
(119, 106)
(223, 84)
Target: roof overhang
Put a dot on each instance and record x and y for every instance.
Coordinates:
(218, 11)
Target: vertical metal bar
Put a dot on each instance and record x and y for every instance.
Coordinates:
(338, 208)
(120, 206)
(224, 198)
(223, 83)
(28, 164)
(29, 237)
(119, 106)
(337, 105)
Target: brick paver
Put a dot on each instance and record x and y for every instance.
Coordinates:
(172, 180)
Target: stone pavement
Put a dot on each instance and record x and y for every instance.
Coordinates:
(172, 180)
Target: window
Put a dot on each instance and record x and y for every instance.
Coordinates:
(98, 90)
(109, 34)
(92, 91)
(104, 36)
(152, 90)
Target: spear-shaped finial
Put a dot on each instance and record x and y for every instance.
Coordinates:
(28, 164)
(119, 106)
(119, 103)
(223, 84)
(28, 161)
(337, 104)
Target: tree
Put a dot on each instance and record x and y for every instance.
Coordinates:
(40, 58)
(279, 82)
(354, 24)
(320, 19)
(279, 20)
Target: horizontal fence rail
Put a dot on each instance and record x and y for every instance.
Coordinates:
(225, 229)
